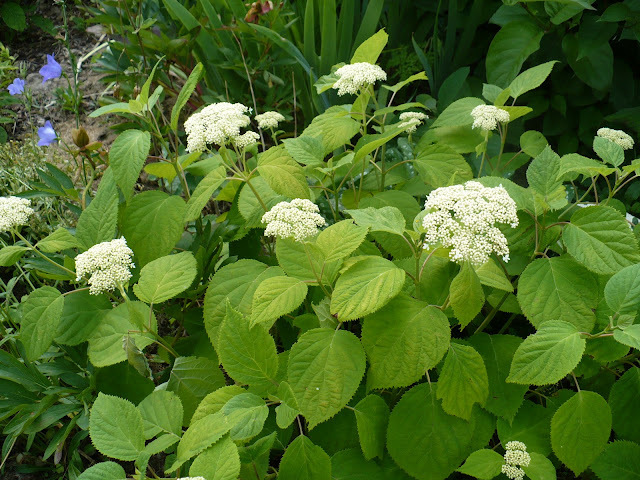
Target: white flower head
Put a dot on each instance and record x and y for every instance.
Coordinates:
(617, 136)
(298, 219)
(245, 140)
(353, 77)
(14, 211)
(411, 120)
(218, 123)
(107, 265)
(269, 120)
(487, 117)
(463, 218)
(192, 478)
(516, 456)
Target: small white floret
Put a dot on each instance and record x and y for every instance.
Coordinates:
(14, 211)
(351, 78)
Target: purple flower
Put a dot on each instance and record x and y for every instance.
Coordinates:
(47, 134)
(51, 70)
(17, 87)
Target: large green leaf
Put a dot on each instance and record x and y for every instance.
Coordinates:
(124, 321)
(600, 238)
(103, 470)
(385, 219)
(161, 413)
(463, 381)
(325, 369)
(439, 166)
(185, 94)
(530, 425)
(542, 175)
(276, 296)
(247, 412)
(305, 150)
(624, 401)
(250, 207)
(166, 277)
(248, 354)
(511, 46)
(236, 283)
(540, 468)
(116, 428)
(307, 261)
(466, 294)
(548, 355)
(283, 174)
(530, 79)
(558, 288)
(81, 316)
(580, 429)
(483, 464)
(372, 417)
(334, 128)
(340, 240)
(425, 441)
(622, 291)
(608, 151)
(97, 223)
(192, 379)
(371, 48)
(304, 461)
(497, 352)
(127, 156)
(214, 402)
(203, 192)
(619, 461)
(11, 254)
(458, 113)
(219, 462)
(41, 313)
(365, 287)
(59, 240)
(403, 340)
(572, 165)
(153, 223)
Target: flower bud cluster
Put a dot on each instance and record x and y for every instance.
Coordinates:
(353, 77)
(245, 140)
(269, 119)
(298, 219)
(487, 117)
(14, 211)
(617, 136)
(516, 456)
(218, 123)
(107, 265)
(411, 120)
(463, 218)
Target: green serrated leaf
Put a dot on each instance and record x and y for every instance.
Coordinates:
(161, 413)
(304, 461)
(325, 369)
(282, 173)
(100, 471)
(248, 354)
(371, 48)
(466, 295)
(166, 277)
(275, 297)
(59, 240)
(214, 402)
(351, 465)
(365, 287)
(247, 412)
(305, 150)
(340, 240)
(203, 192)
(548, 355)
(510, 47)
(608, 151)
(97, 223)
(483, 464)
(219, 462)
(531, 78)
(540, 468)
(624, 401)
(334, 128)
(580, 429)
(385, 219)
(491, 275)
(572, 165)
(372, 417)
(463, 381)
(600, 238)
(41, 313)
(403, 340)
(558, 288)
(531, 426)
(115, 427)
(622, 291)
(630, 336)
(619, 461)
(127, 156)
(542, 175)
(425, 441)
(11, 254)
(185, 94)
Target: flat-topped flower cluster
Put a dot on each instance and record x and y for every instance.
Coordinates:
(298, 219)
(516, 456)
(464, 217)
(411, 120)
(14, 211)
(108, 265)
(219, 124)
(351, 78)
(486, 117)
(618, 137)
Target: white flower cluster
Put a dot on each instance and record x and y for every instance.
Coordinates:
(617, 136)
(463, 218)
(245, 140)
(14, 211)
(298, 219)
(269, 119)
(487, 117)
(107, 264)
(218, 123)
(411, 120)
(192, 478)
(353, 77)
(515, 456)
